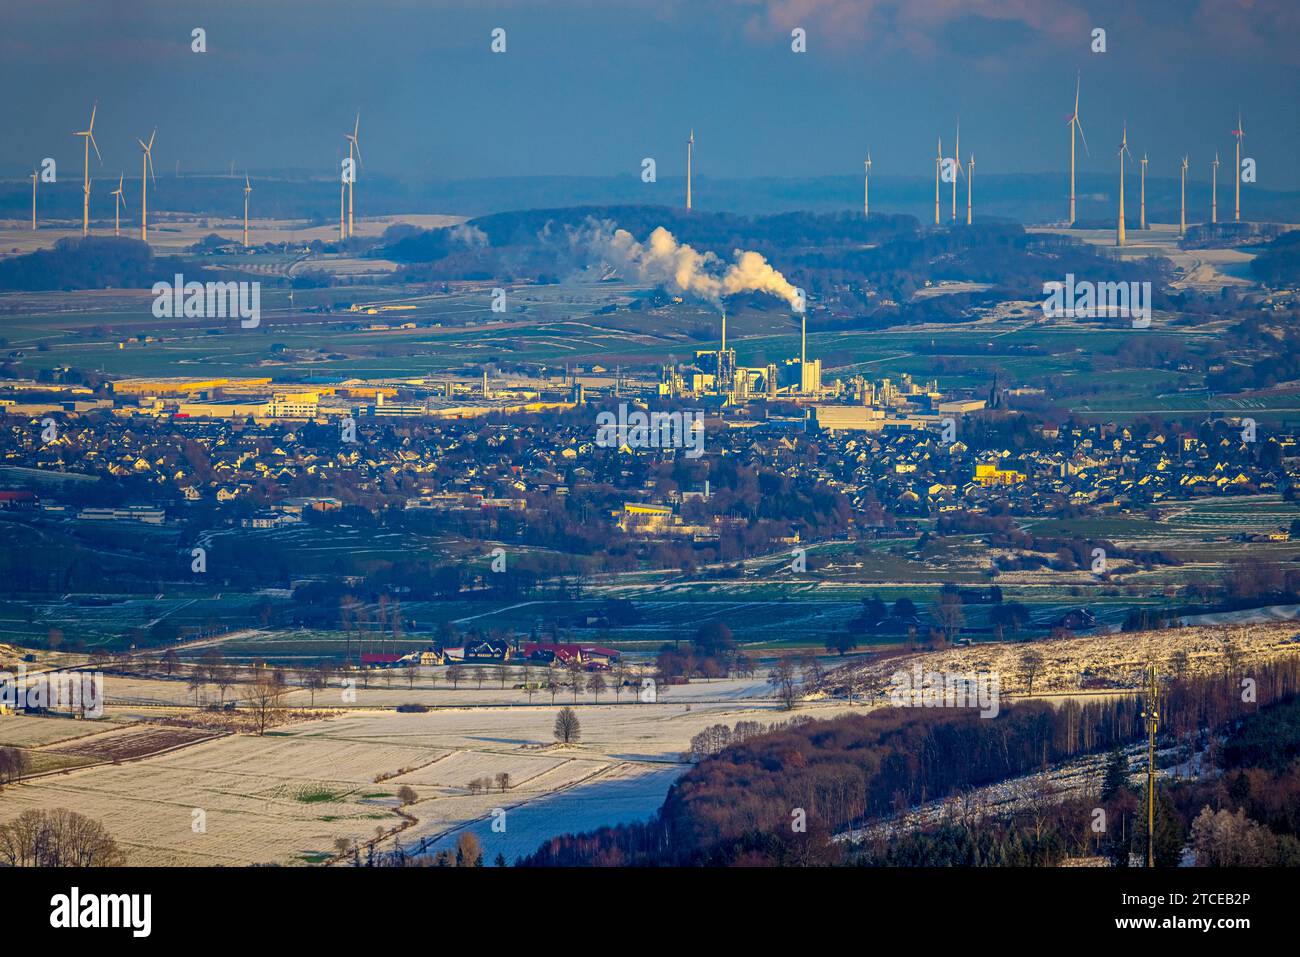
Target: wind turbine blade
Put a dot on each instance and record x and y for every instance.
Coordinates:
(152, 175)
(96, 145)
(93, 108)
(357, 144)
(151, 136)
(1081, 136)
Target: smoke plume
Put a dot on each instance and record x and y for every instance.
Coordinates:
(662, 260)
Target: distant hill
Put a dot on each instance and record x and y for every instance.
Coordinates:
(92, 262)
(851, 267)
(1278, 263)
(1028, 198)
(713, 231)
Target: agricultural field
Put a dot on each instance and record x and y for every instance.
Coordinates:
(125, 744)
(764, 603)
(580, 321)
(1113, 662)
(286, 797)
(30, 731)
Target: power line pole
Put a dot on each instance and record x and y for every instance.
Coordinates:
(1152, 715)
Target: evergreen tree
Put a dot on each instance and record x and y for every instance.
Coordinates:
(1169, 835)
(1116, 779)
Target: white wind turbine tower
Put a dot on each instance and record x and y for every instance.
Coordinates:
(1214, 189)
(248, 188)
(117, 205)
(1075, 124)
(343, 222)
(146, 170)
(35, 177)
(1123, 149)
(690, 155)
(1182, 205)
(866, 187)
(1142, 221)
(938, 164)
(353, 143)
(970, 177)
(88, 135)
(957, 172)
(1239, 133)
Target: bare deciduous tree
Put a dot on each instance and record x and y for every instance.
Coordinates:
(223, 676)
(264, 694)
(567, 728)
(783, 682)
(14, 763)
(57, 837)
(1031, 662)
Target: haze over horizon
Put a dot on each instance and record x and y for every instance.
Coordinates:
(277, 90)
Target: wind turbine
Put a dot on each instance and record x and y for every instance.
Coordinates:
(343, 223)
(146, 167)
(1123, 148)
(1142, 222)
(88, 134)
(35, 176)
(353, 143)
(866, 187)
(970, 176)
(690, 153)
(1075, 125)
(957, 172)
(1182, 206)
(248, 188)
(1214, 188)
(1239, 133)
(117, 206)
(938, 162)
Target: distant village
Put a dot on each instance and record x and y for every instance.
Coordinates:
(471, 446)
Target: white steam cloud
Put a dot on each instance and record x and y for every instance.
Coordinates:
(469, 235)
(662, 260)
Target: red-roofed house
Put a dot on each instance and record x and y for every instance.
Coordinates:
(593, 656)
(380, 661)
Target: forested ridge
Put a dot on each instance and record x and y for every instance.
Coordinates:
(736, 807)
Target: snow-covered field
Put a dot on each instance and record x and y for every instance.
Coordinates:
(1119, 660)
(431, 688)
(288, 796)
(29, 731)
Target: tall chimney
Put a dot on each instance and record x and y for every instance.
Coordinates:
(690, 150)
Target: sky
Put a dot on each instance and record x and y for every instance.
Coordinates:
(592, 87)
